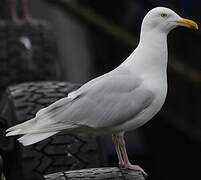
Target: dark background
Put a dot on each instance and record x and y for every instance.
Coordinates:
(169, 146)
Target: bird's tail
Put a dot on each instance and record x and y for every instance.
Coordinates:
(46, 123)
(21, 126)
(30, 139)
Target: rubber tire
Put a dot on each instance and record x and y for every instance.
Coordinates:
(58, 153)
(21, 63)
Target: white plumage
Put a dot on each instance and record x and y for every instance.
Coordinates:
(118, 101)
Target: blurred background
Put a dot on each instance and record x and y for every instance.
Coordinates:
(93, 37)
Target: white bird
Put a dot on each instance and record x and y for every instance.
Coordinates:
(118, 101)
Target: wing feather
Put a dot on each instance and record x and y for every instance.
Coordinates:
(109, 101)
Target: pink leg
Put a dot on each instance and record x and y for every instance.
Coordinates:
(127, 163)
(117, 148)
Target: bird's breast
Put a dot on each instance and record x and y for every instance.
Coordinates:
(159, 89)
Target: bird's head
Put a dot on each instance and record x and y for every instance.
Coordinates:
(164, 20)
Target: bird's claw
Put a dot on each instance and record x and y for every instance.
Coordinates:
(121, 166)
(135, 168)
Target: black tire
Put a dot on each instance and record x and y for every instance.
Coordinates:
(58, 153)
(28, 52)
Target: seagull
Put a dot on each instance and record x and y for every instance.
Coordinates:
(118, 101)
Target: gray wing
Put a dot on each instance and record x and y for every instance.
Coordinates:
(109, 101)
(106, 101)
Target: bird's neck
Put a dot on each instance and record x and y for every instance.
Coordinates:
(153, 38)
(150, 56)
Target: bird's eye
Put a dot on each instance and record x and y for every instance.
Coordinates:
(164, 15)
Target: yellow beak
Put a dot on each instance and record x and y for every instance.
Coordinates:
(188, 23)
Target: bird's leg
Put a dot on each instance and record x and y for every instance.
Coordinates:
(127, 164)
(117, 148)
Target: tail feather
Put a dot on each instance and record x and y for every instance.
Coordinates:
(29, 139)
(22, 125)
(46, 123)
(14, 132)
(42, 129)
(44, 114)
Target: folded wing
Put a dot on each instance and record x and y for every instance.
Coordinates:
(106, 101)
